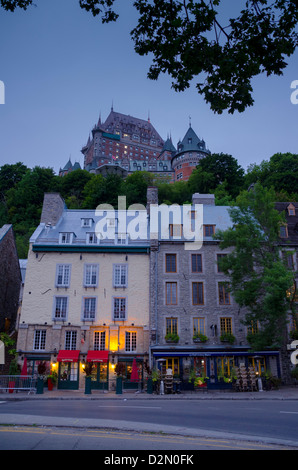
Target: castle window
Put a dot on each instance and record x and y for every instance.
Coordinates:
(291, 209)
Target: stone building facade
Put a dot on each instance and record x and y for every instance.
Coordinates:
(195, 323)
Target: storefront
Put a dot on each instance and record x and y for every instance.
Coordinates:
(127, 368)
(100, 369)
(217, 367)
(68, 371)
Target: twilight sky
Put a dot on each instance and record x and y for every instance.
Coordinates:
(62, 69)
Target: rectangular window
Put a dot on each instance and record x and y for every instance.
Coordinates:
(226, 325)
(283, 231)
(89, 308)
(223, 293)
(70, 340)
(171, 293)
(130, 341)
(63, 275)
(99, 340)
(121, 239)
(209, 230)
(171, 326)
(92, 239)
(119, 308)
(288, 260)
(171, 263)
(86, 222)
(197, 293)
(196, 263)
(176, 230)
(199, 326)
(65, 237)
(120, 275)
(91, 275)
(253, 328)
(60, 308)
(39, 340)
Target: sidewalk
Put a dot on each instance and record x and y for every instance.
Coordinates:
(284, 393)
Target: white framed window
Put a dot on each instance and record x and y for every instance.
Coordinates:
(65, 238)
(39, 340)
(121, 238)
(91, 275)
(60, 308)
(119, 308)
(130, 341)
(63, 275)
(86, 222)
(92, 239)
(99, 340)
(120, 275)
(89, 308)
(70, 340)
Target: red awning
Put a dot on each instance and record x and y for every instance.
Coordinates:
(68, 356)
(97, 356)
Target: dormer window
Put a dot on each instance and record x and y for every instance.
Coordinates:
(86, 222)
(121, 239)
(92, 239)
(283, 231)
(291, 209)
(209, 230)
(65, 238)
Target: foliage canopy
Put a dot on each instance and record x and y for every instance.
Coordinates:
(192, 39)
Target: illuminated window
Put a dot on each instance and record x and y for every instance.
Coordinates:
(199, 326)
(225, 325)
(171, 326)
(99, 340)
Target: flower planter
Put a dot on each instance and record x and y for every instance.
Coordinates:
(50, 384)
(11, 387)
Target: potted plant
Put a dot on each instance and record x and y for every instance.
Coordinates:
(155, 377)
(227, 338)
(172, 338)
(200, 381)
(199, 338)
(13, 370)
(88, 371)
(52, 380)
(192, 378)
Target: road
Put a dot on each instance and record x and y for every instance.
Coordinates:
(51, 438)
(262, 421)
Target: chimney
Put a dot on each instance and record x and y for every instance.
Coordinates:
(152, 197)
(52, 209)
(198, 198)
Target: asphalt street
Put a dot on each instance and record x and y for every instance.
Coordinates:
(264, 418)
